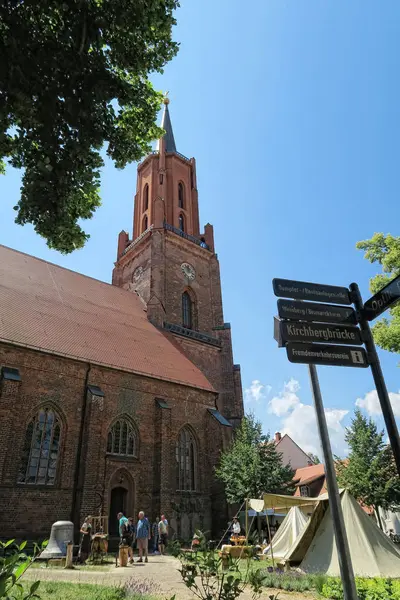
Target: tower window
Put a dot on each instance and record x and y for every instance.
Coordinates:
(181, 195)
(146, 197)
(187, 311)
(145, 222)
(181, 222)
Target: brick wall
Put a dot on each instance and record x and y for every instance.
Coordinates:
(150, 478)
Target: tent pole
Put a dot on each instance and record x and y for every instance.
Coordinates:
(342, 544)
(247, 520)
(269, 535)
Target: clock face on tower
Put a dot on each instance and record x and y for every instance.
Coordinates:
(188, 271)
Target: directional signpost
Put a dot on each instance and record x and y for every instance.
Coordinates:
(317, 329)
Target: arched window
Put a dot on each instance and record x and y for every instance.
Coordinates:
(186, 459)
(187, 311)
(122, 439)
(146, 197)
(181, 222)
(145, 222)
(181, 195)
(41, 449)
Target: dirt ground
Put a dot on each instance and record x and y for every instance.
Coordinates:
(162, 570)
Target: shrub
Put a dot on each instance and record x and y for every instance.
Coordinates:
(13, 564)
(367, 589)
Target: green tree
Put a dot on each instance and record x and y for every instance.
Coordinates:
(252, 465)
(314, 458)
(385, 250)
(369, 472)
(73, 77)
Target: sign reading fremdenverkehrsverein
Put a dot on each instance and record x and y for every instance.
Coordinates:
(302, 290)
(296, 331)
(319, 354)
(312, 311)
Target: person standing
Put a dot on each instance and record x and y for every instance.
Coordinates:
(162, 534)
(130, 537)
(154, 531)
(236, 526)
(84, 546)
(122, 522)
(143, 535)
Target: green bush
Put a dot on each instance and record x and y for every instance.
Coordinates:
(367, 589)
(13, 564)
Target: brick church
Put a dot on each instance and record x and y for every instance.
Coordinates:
(119, 397)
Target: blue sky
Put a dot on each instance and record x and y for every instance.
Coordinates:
(291, 108)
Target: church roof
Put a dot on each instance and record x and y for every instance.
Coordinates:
(167, 126)
(49, 308)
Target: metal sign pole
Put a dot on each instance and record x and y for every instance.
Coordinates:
(342, 545)
(377, 374)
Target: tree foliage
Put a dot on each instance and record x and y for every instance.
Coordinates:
(252, 465)
(73, 77)
(314, 458)
(369, 473)
(385, 250)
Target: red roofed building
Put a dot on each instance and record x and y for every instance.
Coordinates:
(310, 481)
(119, 397)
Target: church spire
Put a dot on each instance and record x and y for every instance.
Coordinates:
(169, 141)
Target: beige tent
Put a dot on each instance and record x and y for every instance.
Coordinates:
(292, 526)
(372, 552)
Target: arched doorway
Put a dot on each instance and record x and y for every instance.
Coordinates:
(117, 504)
(121, 498)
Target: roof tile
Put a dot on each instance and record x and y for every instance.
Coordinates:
(46, 307)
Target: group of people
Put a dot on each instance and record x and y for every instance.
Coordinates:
(142, 534)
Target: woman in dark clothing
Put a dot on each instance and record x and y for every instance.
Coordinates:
(84, 547)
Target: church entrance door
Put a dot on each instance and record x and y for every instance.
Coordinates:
(118, 503)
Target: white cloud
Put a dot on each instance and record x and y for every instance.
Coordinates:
(370, 403)
(286, 399)
(256, 392)
(299, 422)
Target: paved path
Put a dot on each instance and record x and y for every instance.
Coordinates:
(162, 571)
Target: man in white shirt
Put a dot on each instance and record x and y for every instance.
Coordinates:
(236, 526)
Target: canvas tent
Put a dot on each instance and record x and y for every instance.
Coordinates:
(372, 552)
(290, 529)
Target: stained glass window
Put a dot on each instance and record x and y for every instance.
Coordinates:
(186, 459)
(41, 449)
(122, 439)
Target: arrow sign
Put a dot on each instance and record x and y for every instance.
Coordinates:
(388, 295)
(312, 311)
(296, 331)
(302, 290)
(320, 354)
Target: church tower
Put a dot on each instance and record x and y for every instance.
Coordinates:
(172, 266)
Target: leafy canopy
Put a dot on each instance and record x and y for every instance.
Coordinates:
(74, 76)
(252, 465)
(369, 473)
(385, 250)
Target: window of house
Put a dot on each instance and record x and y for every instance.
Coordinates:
(187, 311)
(304, 491)
(122, 439)
(145, 222)
(181, 195)
(146, 197)
(186, 459)
(181, 221)
(41, 449)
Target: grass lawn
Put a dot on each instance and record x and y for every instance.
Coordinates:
(51, 590)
